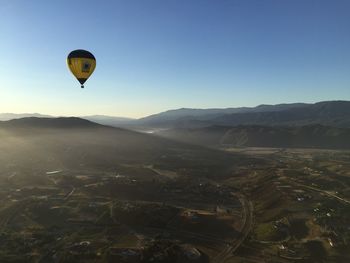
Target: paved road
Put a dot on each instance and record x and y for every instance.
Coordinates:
(247, 208)
(322, 191)
(70, 193)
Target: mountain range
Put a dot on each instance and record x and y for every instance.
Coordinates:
(11, 116)
(329, 113)
(319, 125)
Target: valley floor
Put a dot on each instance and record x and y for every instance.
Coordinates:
(293, 206)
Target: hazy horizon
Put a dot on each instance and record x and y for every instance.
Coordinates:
(153, 56)
(120, 116)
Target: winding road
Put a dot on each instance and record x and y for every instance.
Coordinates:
(247, 208)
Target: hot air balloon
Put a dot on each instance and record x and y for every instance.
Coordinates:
(81, 63)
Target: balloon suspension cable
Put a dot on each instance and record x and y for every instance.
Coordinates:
(82, 86)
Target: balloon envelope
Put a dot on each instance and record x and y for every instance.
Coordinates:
(82, 64)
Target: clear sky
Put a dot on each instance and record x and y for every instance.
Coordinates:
(155, 55)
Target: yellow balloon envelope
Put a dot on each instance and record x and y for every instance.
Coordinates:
(82, 64)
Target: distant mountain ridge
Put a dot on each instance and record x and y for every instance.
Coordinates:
(335, 113)
(11, 116)
(110, 120)
(101, 119)
(328, 113)
(207, 114)
(60, 122)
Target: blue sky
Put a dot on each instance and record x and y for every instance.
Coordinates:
(155, 55)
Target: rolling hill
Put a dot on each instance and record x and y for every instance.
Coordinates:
(37, 145)
(49, 123)
(11, 116)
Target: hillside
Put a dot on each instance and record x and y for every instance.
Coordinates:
(310, 136)
(49, 123)
(208, 114)
(35, 144)
(10, 116)
(332, 113)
